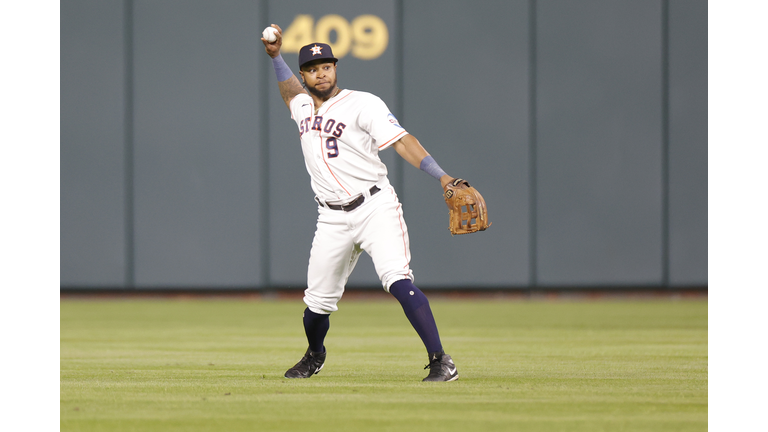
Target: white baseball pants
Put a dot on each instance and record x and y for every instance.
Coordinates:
(376, 227)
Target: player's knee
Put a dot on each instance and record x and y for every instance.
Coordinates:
(389, 279)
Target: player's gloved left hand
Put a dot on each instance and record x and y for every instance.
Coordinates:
(466, 208)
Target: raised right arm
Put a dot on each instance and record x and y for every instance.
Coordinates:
(287, 82)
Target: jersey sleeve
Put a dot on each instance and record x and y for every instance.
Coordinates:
(301, 106)
(377, 120)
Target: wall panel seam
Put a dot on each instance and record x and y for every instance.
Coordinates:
(130, 250)
(532, 191)
(264, 210)
(665, 143)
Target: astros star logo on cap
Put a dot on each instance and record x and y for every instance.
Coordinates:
(316, 50)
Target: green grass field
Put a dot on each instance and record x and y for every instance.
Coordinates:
(217, 365)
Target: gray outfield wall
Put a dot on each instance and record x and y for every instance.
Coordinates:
(584, 124)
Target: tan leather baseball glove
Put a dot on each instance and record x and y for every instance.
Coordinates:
(466, 208)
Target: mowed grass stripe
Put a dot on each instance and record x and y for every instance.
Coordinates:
(170, 365)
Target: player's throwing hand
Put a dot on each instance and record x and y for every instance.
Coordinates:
(273, 48)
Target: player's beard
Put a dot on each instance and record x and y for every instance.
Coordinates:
(323, 94)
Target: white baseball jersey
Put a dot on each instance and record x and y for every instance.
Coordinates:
(341, 145)
(342, 141)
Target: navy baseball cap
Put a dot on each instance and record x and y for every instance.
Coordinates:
(315, 51)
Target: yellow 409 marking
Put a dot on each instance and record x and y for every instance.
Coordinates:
(367, 36)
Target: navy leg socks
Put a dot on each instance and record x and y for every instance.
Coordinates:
(316, 327)
(416, 308)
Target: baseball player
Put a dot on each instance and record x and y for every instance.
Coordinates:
(342, 131)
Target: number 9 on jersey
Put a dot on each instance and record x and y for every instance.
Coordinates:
(332, 145)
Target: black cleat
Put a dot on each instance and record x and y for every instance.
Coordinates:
(310, 364)
(441, 368)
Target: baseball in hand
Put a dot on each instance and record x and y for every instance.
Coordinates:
(269, 34)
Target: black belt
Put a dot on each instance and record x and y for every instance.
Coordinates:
(353, 204)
